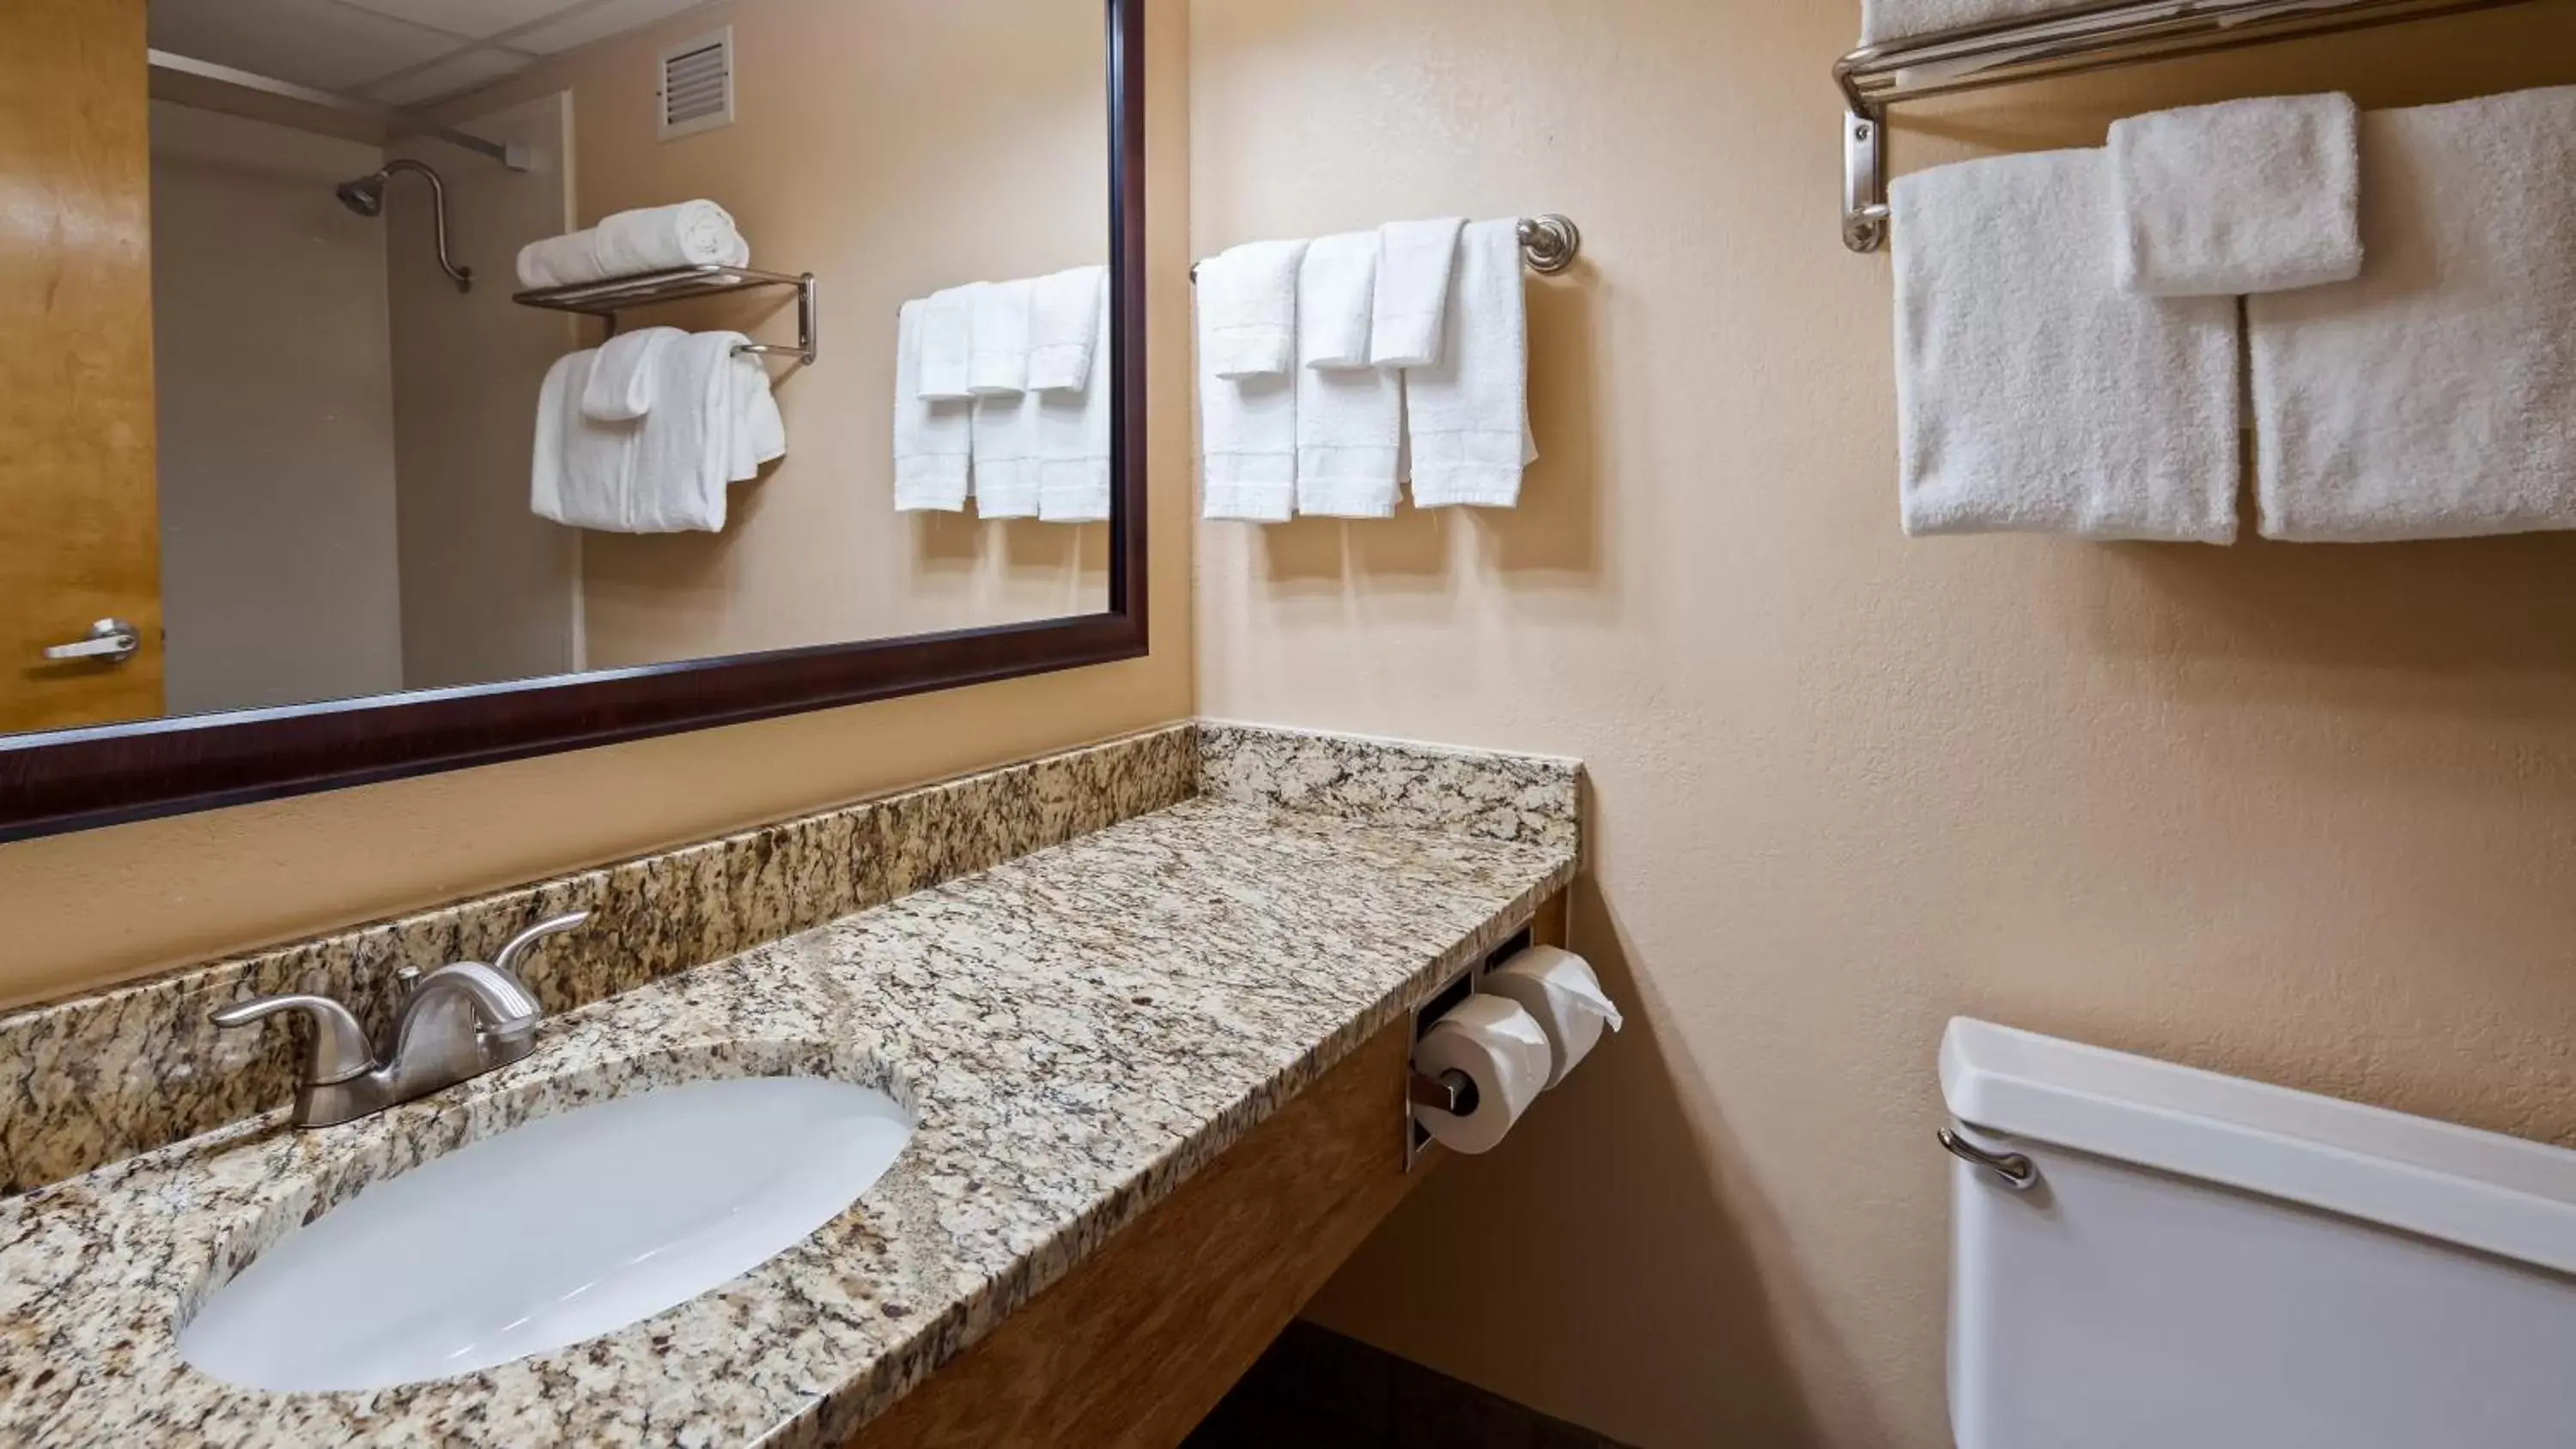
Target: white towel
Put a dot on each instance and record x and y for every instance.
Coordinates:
(1247, 442)
(947, 344)
(933, 440)
(1350, 416)
(998, 329)
(2260, 195)
(760, 430)
(1065, 313)
(621, 381)
(2031, 392)
(582, 469)
(651, 239)
(1006, 455)
(1885, 20)
(1074, 430)
(1468, 414)
(1247, 299)
(1415, 261)
(2435, 397)
(687, 448)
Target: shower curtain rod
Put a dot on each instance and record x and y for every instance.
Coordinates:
(513, 155)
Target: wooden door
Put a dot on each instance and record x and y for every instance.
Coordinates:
(79, 530)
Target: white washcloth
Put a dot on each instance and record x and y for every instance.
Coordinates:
(2435, 397)
(1336, 292)
(2260, 195)
(581, 469)
(1468, 413)
(1074, 430)
(947, 344)
(1415, 261)
(1247, 442)
(1006, 455)
(2031, 392)
(933, 440)
(998, 329)
(621, 381)
(651, 239)
(1350, 416)
(1065, 312)
(1247, 299)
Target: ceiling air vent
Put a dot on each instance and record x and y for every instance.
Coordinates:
(697, 84)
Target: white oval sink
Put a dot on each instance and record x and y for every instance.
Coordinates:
(548, 1234)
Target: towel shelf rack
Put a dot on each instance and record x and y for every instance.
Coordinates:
(607, 298)
(1549, 244)
(2079, 38)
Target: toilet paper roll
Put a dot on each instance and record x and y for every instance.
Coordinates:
(1558, 988)
(1502, 1049)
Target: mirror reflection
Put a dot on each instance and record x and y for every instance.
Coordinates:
(530, 337)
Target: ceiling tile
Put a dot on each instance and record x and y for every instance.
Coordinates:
(462, 71)
(599, 21)
(310, 42)
(480, 19)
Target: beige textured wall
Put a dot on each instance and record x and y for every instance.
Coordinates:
(2308, 814)
(104, 904)
(892, 149)
(278, 568)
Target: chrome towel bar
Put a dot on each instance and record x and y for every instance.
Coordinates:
(607, 298)
(1549, 244)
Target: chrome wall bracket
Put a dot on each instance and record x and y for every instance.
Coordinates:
(1865, 179)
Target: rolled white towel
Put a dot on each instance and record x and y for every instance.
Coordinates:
(649, 239)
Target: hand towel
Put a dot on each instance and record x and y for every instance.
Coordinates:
(2032, 393)
(581, 469)
(652, 239)
(1350, 416)
(1065, 313)
(621, 380)
(2435, 396)
(1468, 413)
(1074, 430)
(1415, 261)
(686, 447)
(1247, 441)
(933, 440)
(997, 327)
(947, 344)
(1247, 299)
(2259, 195)
(1006, 462)
(760, 430)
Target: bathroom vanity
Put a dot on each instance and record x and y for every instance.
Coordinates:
(1146, 1010)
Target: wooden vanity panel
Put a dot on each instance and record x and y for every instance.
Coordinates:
(1141, 1340)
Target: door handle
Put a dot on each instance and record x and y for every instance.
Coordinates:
(111, 640)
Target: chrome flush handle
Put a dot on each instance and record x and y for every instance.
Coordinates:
(2012, 1169)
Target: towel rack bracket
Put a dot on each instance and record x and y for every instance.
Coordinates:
(605, 299)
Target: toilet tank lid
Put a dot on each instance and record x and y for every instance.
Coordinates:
(2482, 1190)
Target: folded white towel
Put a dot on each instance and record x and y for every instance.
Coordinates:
(1468, 414)
(2260, 195)
(2435, 396)
(760, 430)
(1247, 299)
(947, 344)
(933, 440)
(687, 448)
(581, 470)
(2032, 393)
(1247, 442)
(1416, 260)
(1336, 293)
(621, 381)
(1350, 416)
(1064, 328)
(1006, 455)
(651, 239)
(1074, 437)
(998, 328)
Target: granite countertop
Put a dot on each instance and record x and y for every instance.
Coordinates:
(1076, 1030)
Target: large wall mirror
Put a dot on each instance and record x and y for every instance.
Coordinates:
(341, 440)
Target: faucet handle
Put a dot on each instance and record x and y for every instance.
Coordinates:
(506, 960)
(340, 1047)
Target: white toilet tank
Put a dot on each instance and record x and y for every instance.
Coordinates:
(2206, 1263)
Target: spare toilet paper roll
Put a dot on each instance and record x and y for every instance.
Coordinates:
(1558, 989)
(1502, 1050)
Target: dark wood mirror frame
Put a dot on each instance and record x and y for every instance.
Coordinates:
(61, 780)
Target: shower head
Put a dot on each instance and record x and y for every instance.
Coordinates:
(365, 196)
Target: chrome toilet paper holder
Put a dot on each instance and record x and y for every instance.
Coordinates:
(1451, 1091)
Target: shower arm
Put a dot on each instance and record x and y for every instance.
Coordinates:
(462, 276)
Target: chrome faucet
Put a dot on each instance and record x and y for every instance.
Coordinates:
(455, 1023)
